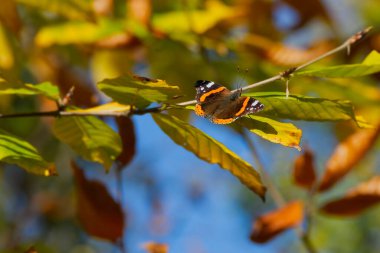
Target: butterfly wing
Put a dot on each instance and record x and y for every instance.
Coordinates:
(209, 97)
(222, 106)
(235, 109)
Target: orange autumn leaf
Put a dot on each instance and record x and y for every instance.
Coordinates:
(346, 155)
(154, 247)
(357, 200)
(99, 214)
(304, 171)
(273, 223)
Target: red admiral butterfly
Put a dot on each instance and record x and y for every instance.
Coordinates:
(221, 105)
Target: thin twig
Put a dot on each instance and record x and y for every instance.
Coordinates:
(59, 113)
(287, 73)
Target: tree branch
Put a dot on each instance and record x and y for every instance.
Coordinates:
(283, 75)
(287, 73)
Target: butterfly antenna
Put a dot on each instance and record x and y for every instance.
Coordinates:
(240, 80)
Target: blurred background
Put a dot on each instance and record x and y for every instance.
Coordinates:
(167, 194)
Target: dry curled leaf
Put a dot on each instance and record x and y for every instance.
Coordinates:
(357, 200)
(346, 155)
(304, 171)
(154, 247)
(99, 214)
(273, 223)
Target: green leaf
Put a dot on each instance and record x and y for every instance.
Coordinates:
(89, 137)
(274, 131)
(14, 150)
(369, 66)
(138, 91)
(298, 107)
(47, 89)
(78, 32)
(210, 150)
(372, 58)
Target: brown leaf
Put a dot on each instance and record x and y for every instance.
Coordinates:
(84, 93)
(304, 171)
(9, 16)
(154, 247)
(273, 223)
(346, 155)
(357, 200)
(128, 138)
(99, 214)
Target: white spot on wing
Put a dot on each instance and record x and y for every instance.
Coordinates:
(210, 84)
(255, 103)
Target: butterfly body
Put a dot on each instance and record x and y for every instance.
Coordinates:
(221, 105)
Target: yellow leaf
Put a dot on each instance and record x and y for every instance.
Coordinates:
(74, 32)
(274, 131)
(197, 21)
(7, 59)
(210, 150)
(109, 108)
(89, 137)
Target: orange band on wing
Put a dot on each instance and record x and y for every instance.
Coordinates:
(198, 110)
(222, 121)
(204, 96)
(242, 109)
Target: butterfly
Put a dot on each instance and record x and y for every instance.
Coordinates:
(222, 106)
